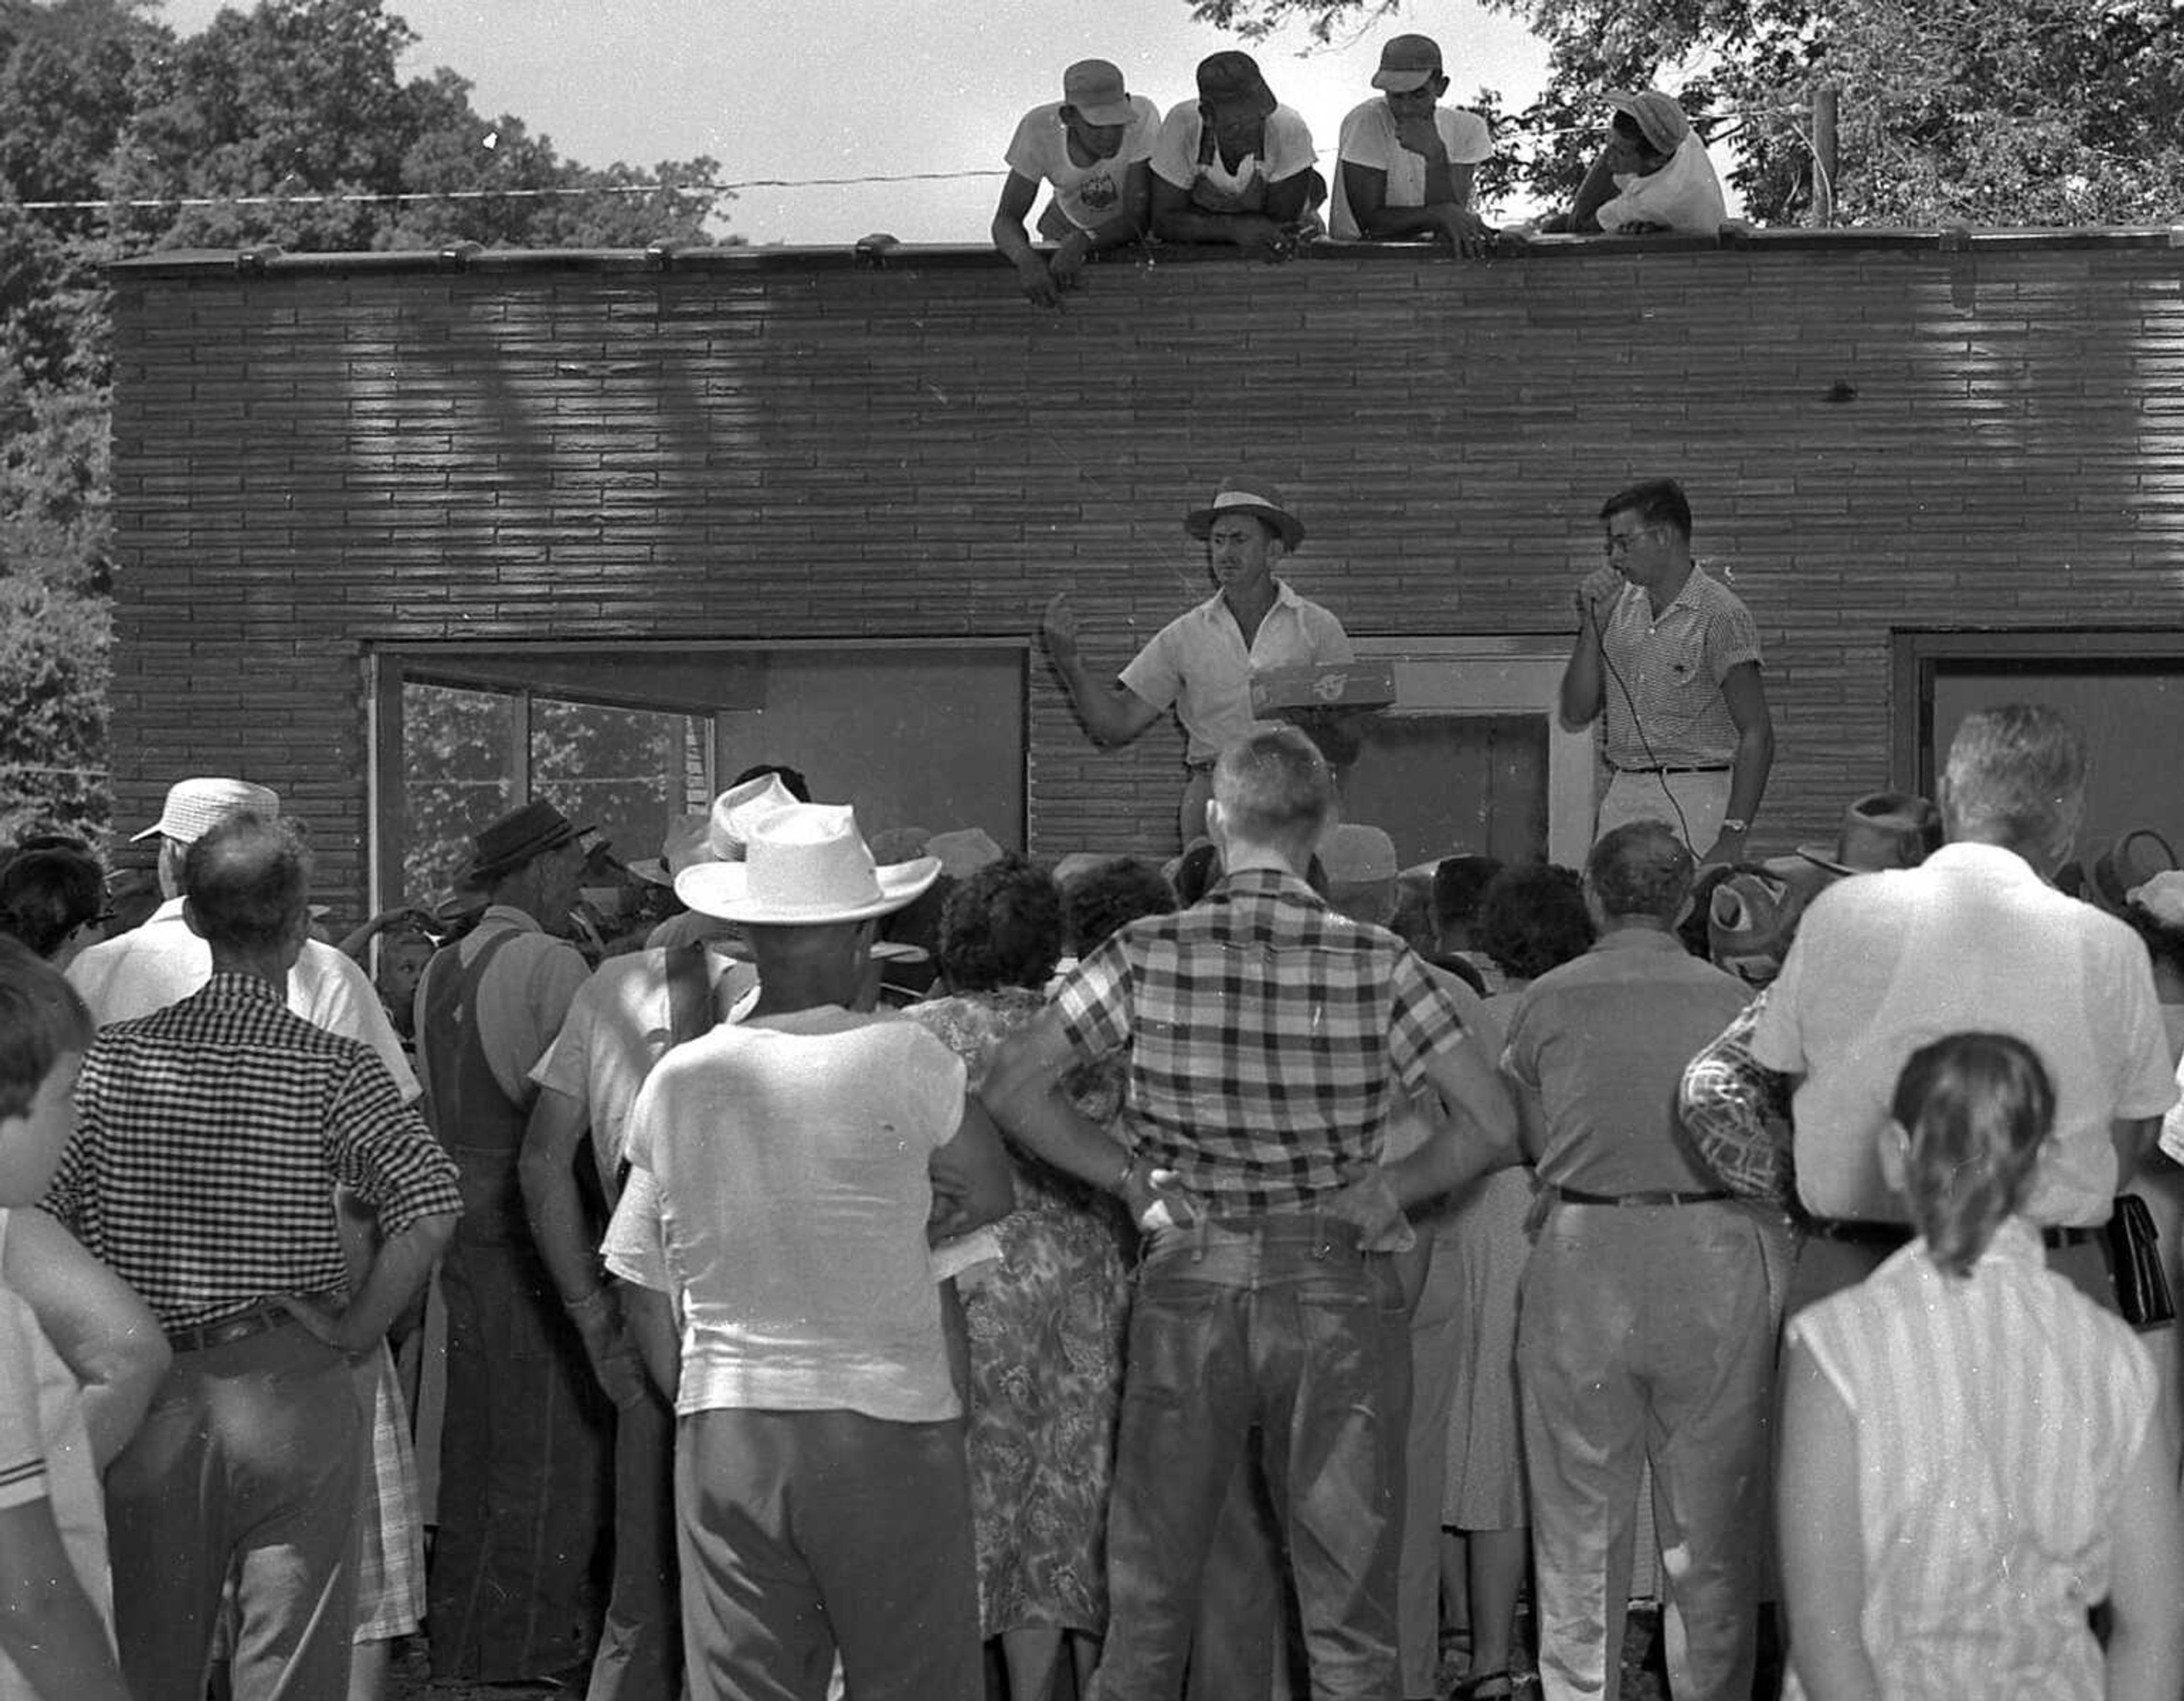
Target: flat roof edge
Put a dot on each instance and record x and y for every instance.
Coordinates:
(272, 262)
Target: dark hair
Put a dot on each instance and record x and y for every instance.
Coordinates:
(1655, 501)
(917, 922)
(1100, 900)
(1532, 919)
(2164, 943)
(792, 781)
(1275, 789)
(47, 894)
(1976, 1108)
(1641, 868)
(1002, 927)
(1196, 872)
(1458, 882)
(42, 1020)
(246, 879)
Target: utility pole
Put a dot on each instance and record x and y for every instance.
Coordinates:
(1824, 107)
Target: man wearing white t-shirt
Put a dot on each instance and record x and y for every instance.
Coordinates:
(1092, 145)
(1234, 165)
(1406, 164)
(782, 1295)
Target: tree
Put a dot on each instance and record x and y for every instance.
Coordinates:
(287, 125)
(1990, 112)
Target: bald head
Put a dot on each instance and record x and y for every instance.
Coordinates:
(247, 882)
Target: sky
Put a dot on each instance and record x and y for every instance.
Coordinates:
(790, 90)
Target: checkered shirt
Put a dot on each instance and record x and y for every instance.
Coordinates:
(1672, 666)
(207, 1136)
(1268, 1040)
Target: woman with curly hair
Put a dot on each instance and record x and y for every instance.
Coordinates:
(1529, 919)
(52, 898)
(1045, 1323)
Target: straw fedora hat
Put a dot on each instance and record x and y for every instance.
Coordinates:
(805, 865)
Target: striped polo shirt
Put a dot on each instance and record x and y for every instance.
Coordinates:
(1997, 1414)
(1664, 706)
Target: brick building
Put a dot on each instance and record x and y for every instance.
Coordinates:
(778, 504)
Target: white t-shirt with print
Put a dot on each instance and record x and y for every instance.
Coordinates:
(1286, 147)
(1088, 196)
(1368, 138)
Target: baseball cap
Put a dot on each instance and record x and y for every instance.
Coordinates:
(1095, 87)
(1407, 63)
(1229, 78)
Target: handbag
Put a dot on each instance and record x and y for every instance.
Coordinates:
(2142, 1287)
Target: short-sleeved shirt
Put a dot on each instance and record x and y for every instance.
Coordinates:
(523, 999)
(1672, 665)
(1998, 1416)
(1198, 663)
(208, 1139)
(1973, 939)
(45, 1454)
(1368, 138)
(1270, 1040)
(1285, 150)
(1090, 196)
(1602, 1041)
(153, 966)
(778, 1191)
(620, 1024)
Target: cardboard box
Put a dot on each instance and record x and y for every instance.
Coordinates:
(1331, 685)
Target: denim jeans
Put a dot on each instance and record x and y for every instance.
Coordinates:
(1280, 1322)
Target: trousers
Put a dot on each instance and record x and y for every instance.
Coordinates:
(1276, 1322)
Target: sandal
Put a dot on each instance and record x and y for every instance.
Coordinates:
(1485, 1686)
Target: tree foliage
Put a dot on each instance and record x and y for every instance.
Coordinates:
(289, 125)
(1985, 112)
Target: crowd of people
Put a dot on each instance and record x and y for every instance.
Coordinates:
(1235, 167)
(865, 1263)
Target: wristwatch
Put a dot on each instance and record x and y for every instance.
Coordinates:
(1734, 823)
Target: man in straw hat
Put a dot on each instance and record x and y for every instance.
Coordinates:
(1266, 1037)
(523, 1453)
(1974, 938)
(621, 1021)
(820, 1493)
(1201, 662)
(1092, 145)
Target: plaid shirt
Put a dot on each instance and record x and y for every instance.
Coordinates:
(1267, 1039)
(208, 1136)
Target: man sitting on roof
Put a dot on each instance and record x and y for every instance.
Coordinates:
(1235, 165)
(1092, 145)
(1653, 175)
(1405, 165)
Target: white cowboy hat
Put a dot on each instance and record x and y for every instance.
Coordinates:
(805, 865)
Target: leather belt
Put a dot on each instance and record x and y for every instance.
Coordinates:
(202, 1338)
(1696, 767)
(1577, 1195)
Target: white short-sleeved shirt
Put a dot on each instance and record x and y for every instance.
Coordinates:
(1286, 149)
(1198, 663)
(45, 1454)
(1088, 195)
(1973, 939)
(1368, 138)
(1997, 1415)
(620, 1024)
(163, 962)
(778, 1193)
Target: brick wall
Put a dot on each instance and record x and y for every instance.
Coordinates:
(1878, 431)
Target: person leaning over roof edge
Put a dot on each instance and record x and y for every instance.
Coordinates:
(1092, 145)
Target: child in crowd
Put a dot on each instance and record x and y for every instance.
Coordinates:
(56, 1606)
(1971, 1460)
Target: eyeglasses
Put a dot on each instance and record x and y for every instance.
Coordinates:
(1616, 543)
